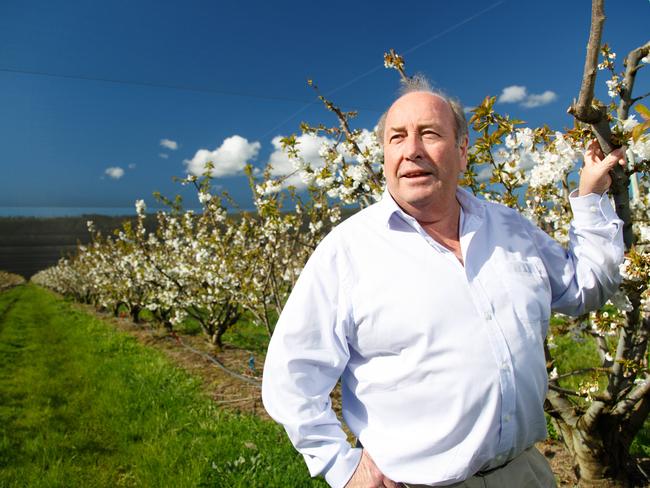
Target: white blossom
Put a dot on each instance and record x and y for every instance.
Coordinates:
(204, 197)
(641, 147)
(140, 207)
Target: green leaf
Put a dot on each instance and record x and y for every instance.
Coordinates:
(638, 130)
(643, 111)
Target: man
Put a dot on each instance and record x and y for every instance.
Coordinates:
(432, 307)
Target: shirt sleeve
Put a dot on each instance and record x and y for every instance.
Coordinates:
(585, 275)
(306, 356)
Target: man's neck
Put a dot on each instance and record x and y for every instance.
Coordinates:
(443, 227)
(441, 223)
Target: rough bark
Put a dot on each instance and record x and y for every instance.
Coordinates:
(632, 65)
(601, 457)
(590, 111)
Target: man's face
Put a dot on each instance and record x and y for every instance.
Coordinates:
(421, 159)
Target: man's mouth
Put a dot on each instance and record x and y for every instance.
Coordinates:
(416, 174)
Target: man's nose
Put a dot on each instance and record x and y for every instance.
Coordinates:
(413, 147)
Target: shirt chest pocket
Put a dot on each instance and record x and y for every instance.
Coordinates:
(528, 290)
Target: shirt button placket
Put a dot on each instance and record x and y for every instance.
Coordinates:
(508, 400)
(505, 372)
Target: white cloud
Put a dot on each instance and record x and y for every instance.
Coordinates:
(538, 100)
(512, 94)
(229, 159)
(114, 172)
(484, 174)
(308, 147)
(518, 94)
(169, 144)
(365, 140)
(163, 155)
(132, 166)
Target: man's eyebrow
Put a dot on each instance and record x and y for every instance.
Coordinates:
(429, 123)
(420, 125)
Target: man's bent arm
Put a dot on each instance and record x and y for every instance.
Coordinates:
(306, 356)
(583, 277)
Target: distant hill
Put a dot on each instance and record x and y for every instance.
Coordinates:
(30, 244)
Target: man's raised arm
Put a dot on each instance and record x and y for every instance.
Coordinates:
(583, 277)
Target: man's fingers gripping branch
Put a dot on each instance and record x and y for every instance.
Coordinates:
(594, 177)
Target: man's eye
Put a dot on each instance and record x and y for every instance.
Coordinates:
(430, 133)
(396, 137)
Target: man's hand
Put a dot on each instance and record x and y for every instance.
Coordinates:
(367, 475)
(594, 177)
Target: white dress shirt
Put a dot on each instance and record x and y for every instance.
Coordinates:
(442, 365)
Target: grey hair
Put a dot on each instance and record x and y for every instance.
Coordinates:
(419, 83)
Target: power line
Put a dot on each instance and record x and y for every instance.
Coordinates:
(307, 103)
(418, 46)
(150, 84)
(380, 66)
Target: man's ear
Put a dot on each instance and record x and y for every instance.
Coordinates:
(462, 148)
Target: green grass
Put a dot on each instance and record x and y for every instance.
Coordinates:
(83, 405)
(247, 335)
(571, 355)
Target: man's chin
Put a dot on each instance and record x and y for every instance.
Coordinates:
(417, 199)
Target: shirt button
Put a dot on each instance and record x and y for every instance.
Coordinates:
(507, 418)
(593, 209)
(488, 316)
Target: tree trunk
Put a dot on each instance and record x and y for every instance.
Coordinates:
(232, 315)
(601, 458)
(215, 340)
(135, 313)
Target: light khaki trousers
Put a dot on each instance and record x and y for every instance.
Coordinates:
(528, 470)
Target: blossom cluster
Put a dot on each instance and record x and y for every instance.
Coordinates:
(210, 267)
(8, 280)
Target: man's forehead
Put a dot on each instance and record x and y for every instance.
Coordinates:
(425, 106)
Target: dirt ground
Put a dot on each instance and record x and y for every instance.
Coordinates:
(239, 395)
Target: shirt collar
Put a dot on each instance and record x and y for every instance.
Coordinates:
(471, 206)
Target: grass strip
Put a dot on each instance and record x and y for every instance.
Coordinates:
(84, 405)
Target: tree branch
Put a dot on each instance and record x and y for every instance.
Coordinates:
(641, 329)
(589, 420)
(560, 407)
(566, 391)
(631, 64)
(636, 99)
(589, 111)
(603, 349)
(637, 417)
(583, 371)
(584, 109)
(345, 127)
(627, 404)
(616, 378)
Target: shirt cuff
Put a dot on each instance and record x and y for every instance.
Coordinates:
(592, 209)
(343, 468)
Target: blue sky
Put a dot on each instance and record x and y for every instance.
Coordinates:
(87, 86)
